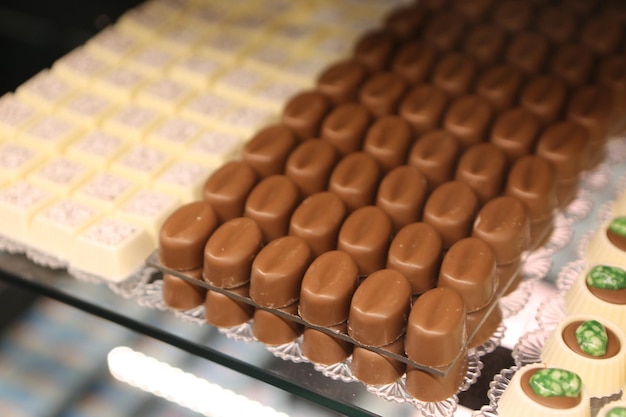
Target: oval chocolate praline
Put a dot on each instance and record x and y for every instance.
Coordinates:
(573, 63)
(532, 180)
(382, 92)
(544, 96)
(414, 61)
(484, 44)
(180, 294)
(345, 126)
(341, 81)
(565, 144)
(435, 155)
(374, 49)
(228, 187)
(183, 235)
(454, 73)
(268, 149)
(603, 34)
(444, 29)
(405, 22)
(500, 85)
(468, 118)
(277, 271)
(327, 288)
(423, 107)
(483, 167)
(515, 131)
(274, 330)
(355, 180)
(512, 15)
(557, 23)
(365, 235)
(310, 164)
(304, 113)
(416, 252)
(527, 51)
(401, 194)
(221, 310)
(379, 308)
(373, 368)
(388, 141)
(229, 253)
(322, 348)
(473, 10)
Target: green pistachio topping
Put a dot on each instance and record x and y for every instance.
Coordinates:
(618, 225)
(554, 382)
(616, 412)
(607, 277)
(592, 338)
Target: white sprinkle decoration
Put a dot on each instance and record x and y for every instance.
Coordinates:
(99, 143)
(14, 156)
(68, 212)
(147, 203)
(82, 62)
(165, 89)
(142, 158)
(13, 112)
(177, 130)
(88, 104)
(22, 195)
(110, 232)
(135, 116)
(61, 171)
(214, 143)
(47, 86)
(184, 173)
(106, 187)
(50, 128)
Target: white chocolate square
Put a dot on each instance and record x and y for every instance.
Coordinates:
(141, 162)
(50, 133)
(183, 179)
(226, 45)
(96, 148)
(87, 108)
(182, 37)
(149, 208)
(173, 134)
(238, 83)
(151, 60)
(119, 83)
(16, 160)
(214, 147)
(14, 115)
(131, 121)
(197, 70)
(205, 108)
(245, 120)
(209, 14)
(60, 175)
(45, 90)
(112, 44)
(105, 190)
(144, 21)
(79, 66)
(19, 202)
(274, 93)
(111, 248)
(54, 228)
(165, 95)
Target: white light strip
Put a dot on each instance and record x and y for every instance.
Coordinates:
(181, 387)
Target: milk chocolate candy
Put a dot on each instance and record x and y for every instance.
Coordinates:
(454, 73)
(374, 49)
(227, 189)
(564, 144)
(472, 10)
(222, 310)
(510, 275)
(573, 62)
(309, 166)
(320, 347)
(379, 308)
(183, 235)
(429, 387)
(317, 220)
(355, 180)
(274, 330)
(513, 16)
(435, 333)
(414, 61)
(382, 93)
(485, 43)
(405, 22)
(340, 81)
(270, 204)
(469, 268)
(345, 127)
(557, 23)
(590, 107)
(611, 74)
(451, 209)
(500, 85)
(468, 119)
(327, 288)
(229, 252)
(374, 368)
(304, 113)
(483, 167)
(180, 294)
(444, 29)
(365, 235)
(603, 34)
(515, 132)
(528, 51)
(277, 272)
(582, 7)
(435, 155)
(423, 107)
(416, 252)
(544, 96)
(402, 194)
(268, 150)
(482, 324)
(388, 141)
(503, 224)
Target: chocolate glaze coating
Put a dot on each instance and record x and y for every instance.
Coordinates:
(180, 294)
(573, 62)
(365, 235)
(381, 93)
(558, 23)
(405, 22)
(565, 144)
(183, 235)
(379, 308)
(532, 180)
(510, 275)
(317, 220)
(469, 267)
(468, 118)
(271, 203)
(528, 51)
(582, 7)
(603, 34)
(435, 155)
(345, 127)
(402, 194)
(229, 252)
(472, 10)
(544, 96)
(423, 107)
(429, 387)
(319, 347)
(481, 324)
(611, 74)
(355, 180)
(268, 149)
(375, 369)
(515, 132)
(513, 16)
(304, 112)
(484, 43)
(327, 288)
(416, 251)
(414, 60)
(444, 29)
(228, 187)
(374, 49)
(277, 271)
(310, 164)
(503, 224)
(273, 330)
(340, 81)
(483, 167)
(500, 85)
(220, 310)
(388, 141)
(435, 333)
(454, 73)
